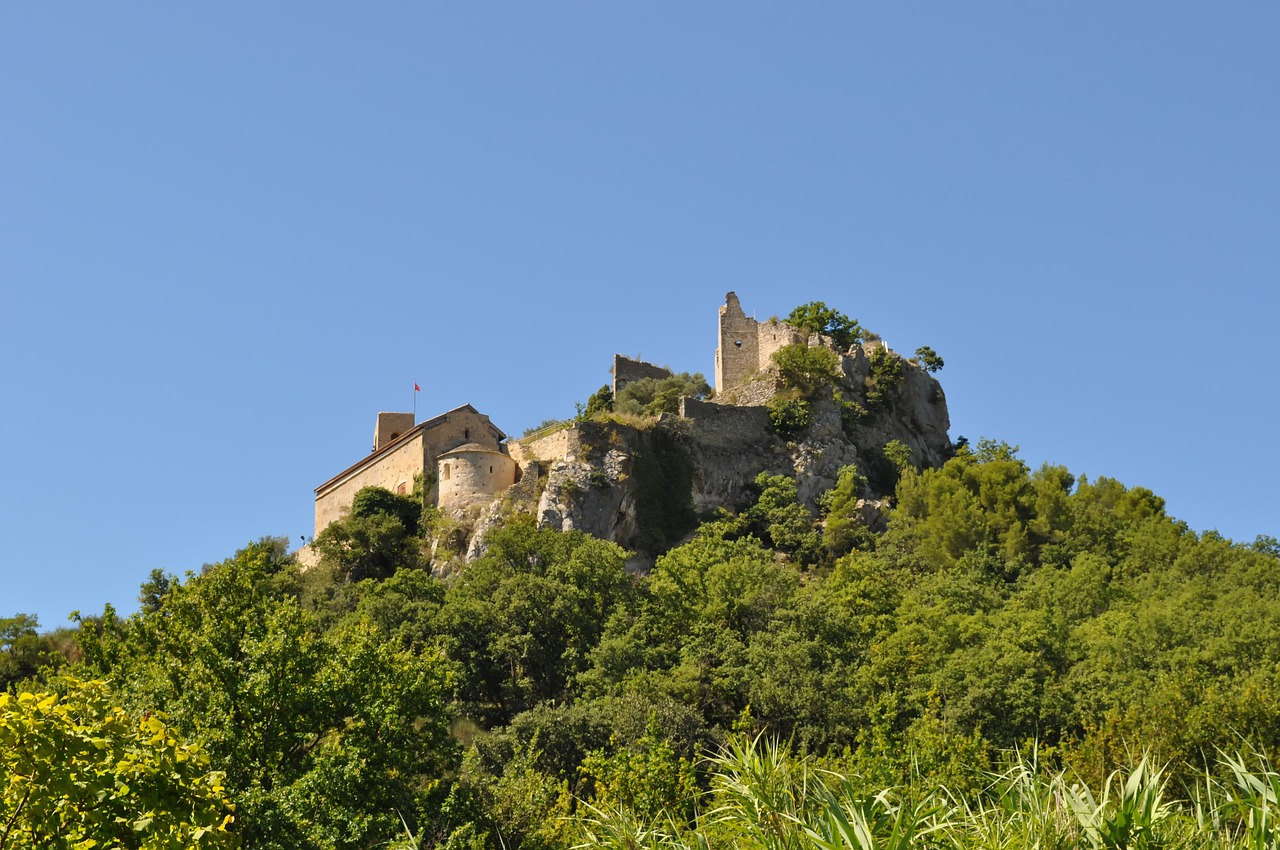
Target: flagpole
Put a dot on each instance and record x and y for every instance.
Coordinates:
(415, 404)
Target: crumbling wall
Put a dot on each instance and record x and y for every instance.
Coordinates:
(626, 370)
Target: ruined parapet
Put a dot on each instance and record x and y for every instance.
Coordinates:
(626, 370)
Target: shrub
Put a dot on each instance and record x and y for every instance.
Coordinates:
(817, 317)
(807, 370)
(655, 396)
(851, 413)
(790, 415)
(886, 375)
(897, 453)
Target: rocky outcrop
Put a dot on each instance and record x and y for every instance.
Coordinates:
(645, 487)
(640, 486)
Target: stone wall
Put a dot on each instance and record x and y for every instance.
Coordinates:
(773, 336)
(725, 424)
(562, 444)
(626, 370)
(394, 470)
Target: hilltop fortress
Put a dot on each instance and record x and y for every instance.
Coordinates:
(603, 476)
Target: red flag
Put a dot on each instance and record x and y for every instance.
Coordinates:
(416, 388)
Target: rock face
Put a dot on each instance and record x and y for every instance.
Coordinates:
(645, 487)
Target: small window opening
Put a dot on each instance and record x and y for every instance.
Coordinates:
(466, 433)
(491, 470)
(402, 488)
(445, 474)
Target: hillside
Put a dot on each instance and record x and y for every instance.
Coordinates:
(845, 582)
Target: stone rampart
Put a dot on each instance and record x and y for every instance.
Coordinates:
(725, 424)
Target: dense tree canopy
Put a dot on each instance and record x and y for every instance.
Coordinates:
(987, 607)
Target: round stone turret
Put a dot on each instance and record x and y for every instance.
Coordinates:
(472, 474)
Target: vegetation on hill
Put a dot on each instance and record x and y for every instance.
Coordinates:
(994, 657)
(1002, 610)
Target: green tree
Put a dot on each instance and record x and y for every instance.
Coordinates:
(152, 591)
(648, 777)
(323, 737)
(601, 401)
(23, 651)
(370, 544)
(520, 623)
(928, 359)
(817, 317)
(370, 502)
(789, 414)
(842, 529)
(898, 455)
(79, 771)
(810, 371)
(779, 519)
(884, 377)
(655, 396)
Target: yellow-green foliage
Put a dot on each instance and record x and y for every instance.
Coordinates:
(78, 771)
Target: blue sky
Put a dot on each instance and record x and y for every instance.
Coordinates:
(231, 233)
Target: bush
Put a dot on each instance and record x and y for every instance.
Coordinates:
(808, 371)
(79, 771)
(655, 396)
(851, 413)
(790, 415)
(817, 317)
(886, 375)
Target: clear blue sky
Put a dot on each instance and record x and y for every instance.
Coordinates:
(231, 232)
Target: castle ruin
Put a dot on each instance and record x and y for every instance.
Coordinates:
(460, 461)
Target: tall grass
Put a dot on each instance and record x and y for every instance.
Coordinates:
(761, 798)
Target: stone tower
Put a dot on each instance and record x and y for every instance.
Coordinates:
(737, 354)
